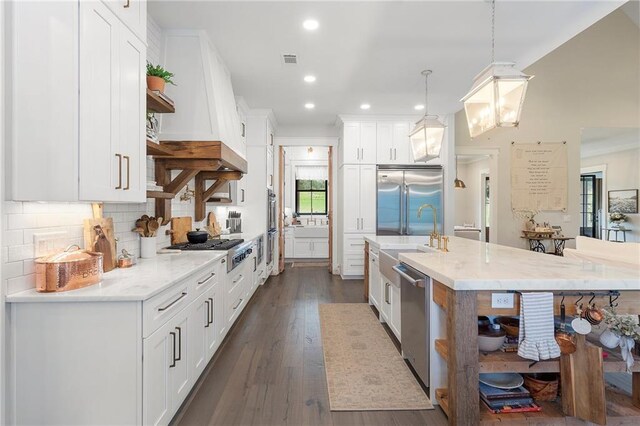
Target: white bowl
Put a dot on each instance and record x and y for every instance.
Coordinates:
(490, 343)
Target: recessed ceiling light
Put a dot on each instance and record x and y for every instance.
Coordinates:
(419, 107)
(365, 106)
(309, 105)
(310, 24)
(309, 78)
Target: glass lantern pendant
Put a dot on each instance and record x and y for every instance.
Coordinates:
(497, 94)
(426, 137)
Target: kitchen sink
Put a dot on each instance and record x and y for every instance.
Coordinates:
(388, 259)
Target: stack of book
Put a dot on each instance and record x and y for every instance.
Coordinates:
(500, 401)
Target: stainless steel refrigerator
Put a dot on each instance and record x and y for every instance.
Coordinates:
(401, 191)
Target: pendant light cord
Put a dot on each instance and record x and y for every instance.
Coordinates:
(493, 30)
(426, 95)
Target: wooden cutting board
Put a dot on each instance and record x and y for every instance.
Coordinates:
(214, 227)
(179, 228)
(109, 262)
(582, 378)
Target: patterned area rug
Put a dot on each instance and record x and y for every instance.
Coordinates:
(364, 370)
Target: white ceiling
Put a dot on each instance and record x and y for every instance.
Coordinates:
(372, 51)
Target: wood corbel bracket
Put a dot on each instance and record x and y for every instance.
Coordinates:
(203, 194)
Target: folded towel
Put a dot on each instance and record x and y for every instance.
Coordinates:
(537, 336)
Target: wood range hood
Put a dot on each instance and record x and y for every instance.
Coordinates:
(212, 163)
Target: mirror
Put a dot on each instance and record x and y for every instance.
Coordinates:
(609, 183)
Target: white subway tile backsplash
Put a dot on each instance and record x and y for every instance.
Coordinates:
(13, 238)
(24, 282)
(13, 269)
(22, 252)
(12, 207)
(22, 221)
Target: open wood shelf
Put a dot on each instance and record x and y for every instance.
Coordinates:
(494, 362)
(158, 105)
(620, 411)
(154, 148)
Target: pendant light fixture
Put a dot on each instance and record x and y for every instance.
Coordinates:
(497, 94)
(458, 183)
(426, 137)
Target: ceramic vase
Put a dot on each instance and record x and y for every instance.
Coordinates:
(609, 339)
(147, 247)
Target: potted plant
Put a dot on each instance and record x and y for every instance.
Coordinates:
(623, 331)
(157, 77)
(616, 219)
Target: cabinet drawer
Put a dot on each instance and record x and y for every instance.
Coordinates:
(159, 309)
(353, 265)
(373, 250)
(206, 279)
(353, 244)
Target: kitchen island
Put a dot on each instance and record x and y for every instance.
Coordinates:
(462, 282)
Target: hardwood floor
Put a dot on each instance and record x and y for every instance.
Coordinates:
(270, 369)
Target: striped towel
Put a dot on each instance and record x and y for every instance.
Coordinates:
(537, 337)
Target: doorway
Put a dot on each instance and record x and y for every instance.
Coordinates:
(591, 207)
(306, 203)
(486, 207)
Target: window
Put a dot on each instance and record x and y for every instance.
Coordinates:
(311, 196)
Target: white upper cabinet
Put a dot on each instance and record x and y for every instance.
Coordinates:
(133, 13)
(112, 107)
(393, 145)
(88, 144)
(359, 143)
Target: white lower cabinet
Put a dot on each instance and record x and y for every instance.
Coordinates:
(140, 359)
(375, 292)
(394, 320)
(385, 302)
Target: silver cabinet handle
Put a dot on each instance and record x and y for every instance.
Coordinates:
(417, 283)
(127, 4)
(173, 355)
(237, 304)
(119, 171)
(223, 261)
(390, 153)
(208, 314)
(237, 279)
(126, 157)
(242, 201)
(179, 343)
(211, 307)
(164, 308)
(213, 274)
(386, 293)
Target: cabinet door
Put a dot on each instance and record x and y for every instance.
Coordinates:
(394, 323)
(199, 321)
(374, 281)
(368, 143)
(351, 143)
(158, 357)
(350, 199)
(179, 378)
(289, 250)
(401, 143)
(385, 302)
(384, 143)
(302, 248)
(368, 195)
(133, 13)
(132, 96)
(215, 318)
(100, 163)
(270, 167)
(320, 248)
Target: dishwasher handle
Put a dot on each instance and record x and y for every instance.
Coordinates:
(421, 283)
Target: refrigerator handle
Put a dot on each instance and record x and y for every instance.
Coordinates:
(406, 209)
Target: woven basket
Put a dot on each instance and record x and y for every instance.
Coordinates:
(542, 387)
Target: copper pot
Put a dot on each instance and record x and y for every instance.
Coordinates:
(566, 341)
(68, 270)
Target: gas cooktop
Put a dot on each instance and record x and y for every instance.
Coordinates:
(209, 245)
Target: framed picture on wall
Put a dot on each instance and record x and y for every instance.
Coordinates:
(623, 201)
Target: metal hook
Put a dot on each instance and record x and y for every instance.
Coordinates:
(593, 296)
(581, 297)
(613, 299)
(562, 301)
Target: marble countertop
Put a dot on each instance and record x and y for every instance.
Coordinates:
(140, 282)
(475, 265)
(398, 242)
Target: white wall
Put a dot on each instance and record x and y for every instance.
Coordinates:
(590, 81)
(469, 201)
(621, 170)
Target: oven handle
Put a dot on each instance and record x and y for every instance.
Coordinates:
(416, 283)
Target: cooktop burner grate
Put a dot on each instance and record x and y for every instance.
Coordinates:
(209, 245)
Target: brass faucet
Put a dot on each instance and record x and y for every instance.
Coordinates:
(434, 234)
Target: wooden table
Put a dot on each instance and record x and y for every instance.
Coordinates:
(616, 230)
(536, 244)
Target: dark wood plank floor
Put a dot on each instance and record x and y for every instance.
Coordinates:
(270, 369)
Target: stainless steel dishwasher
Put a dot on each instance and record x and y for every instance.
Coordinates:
(414, 295)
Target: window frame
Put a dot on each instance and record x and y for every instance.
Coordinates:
(326, 194)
